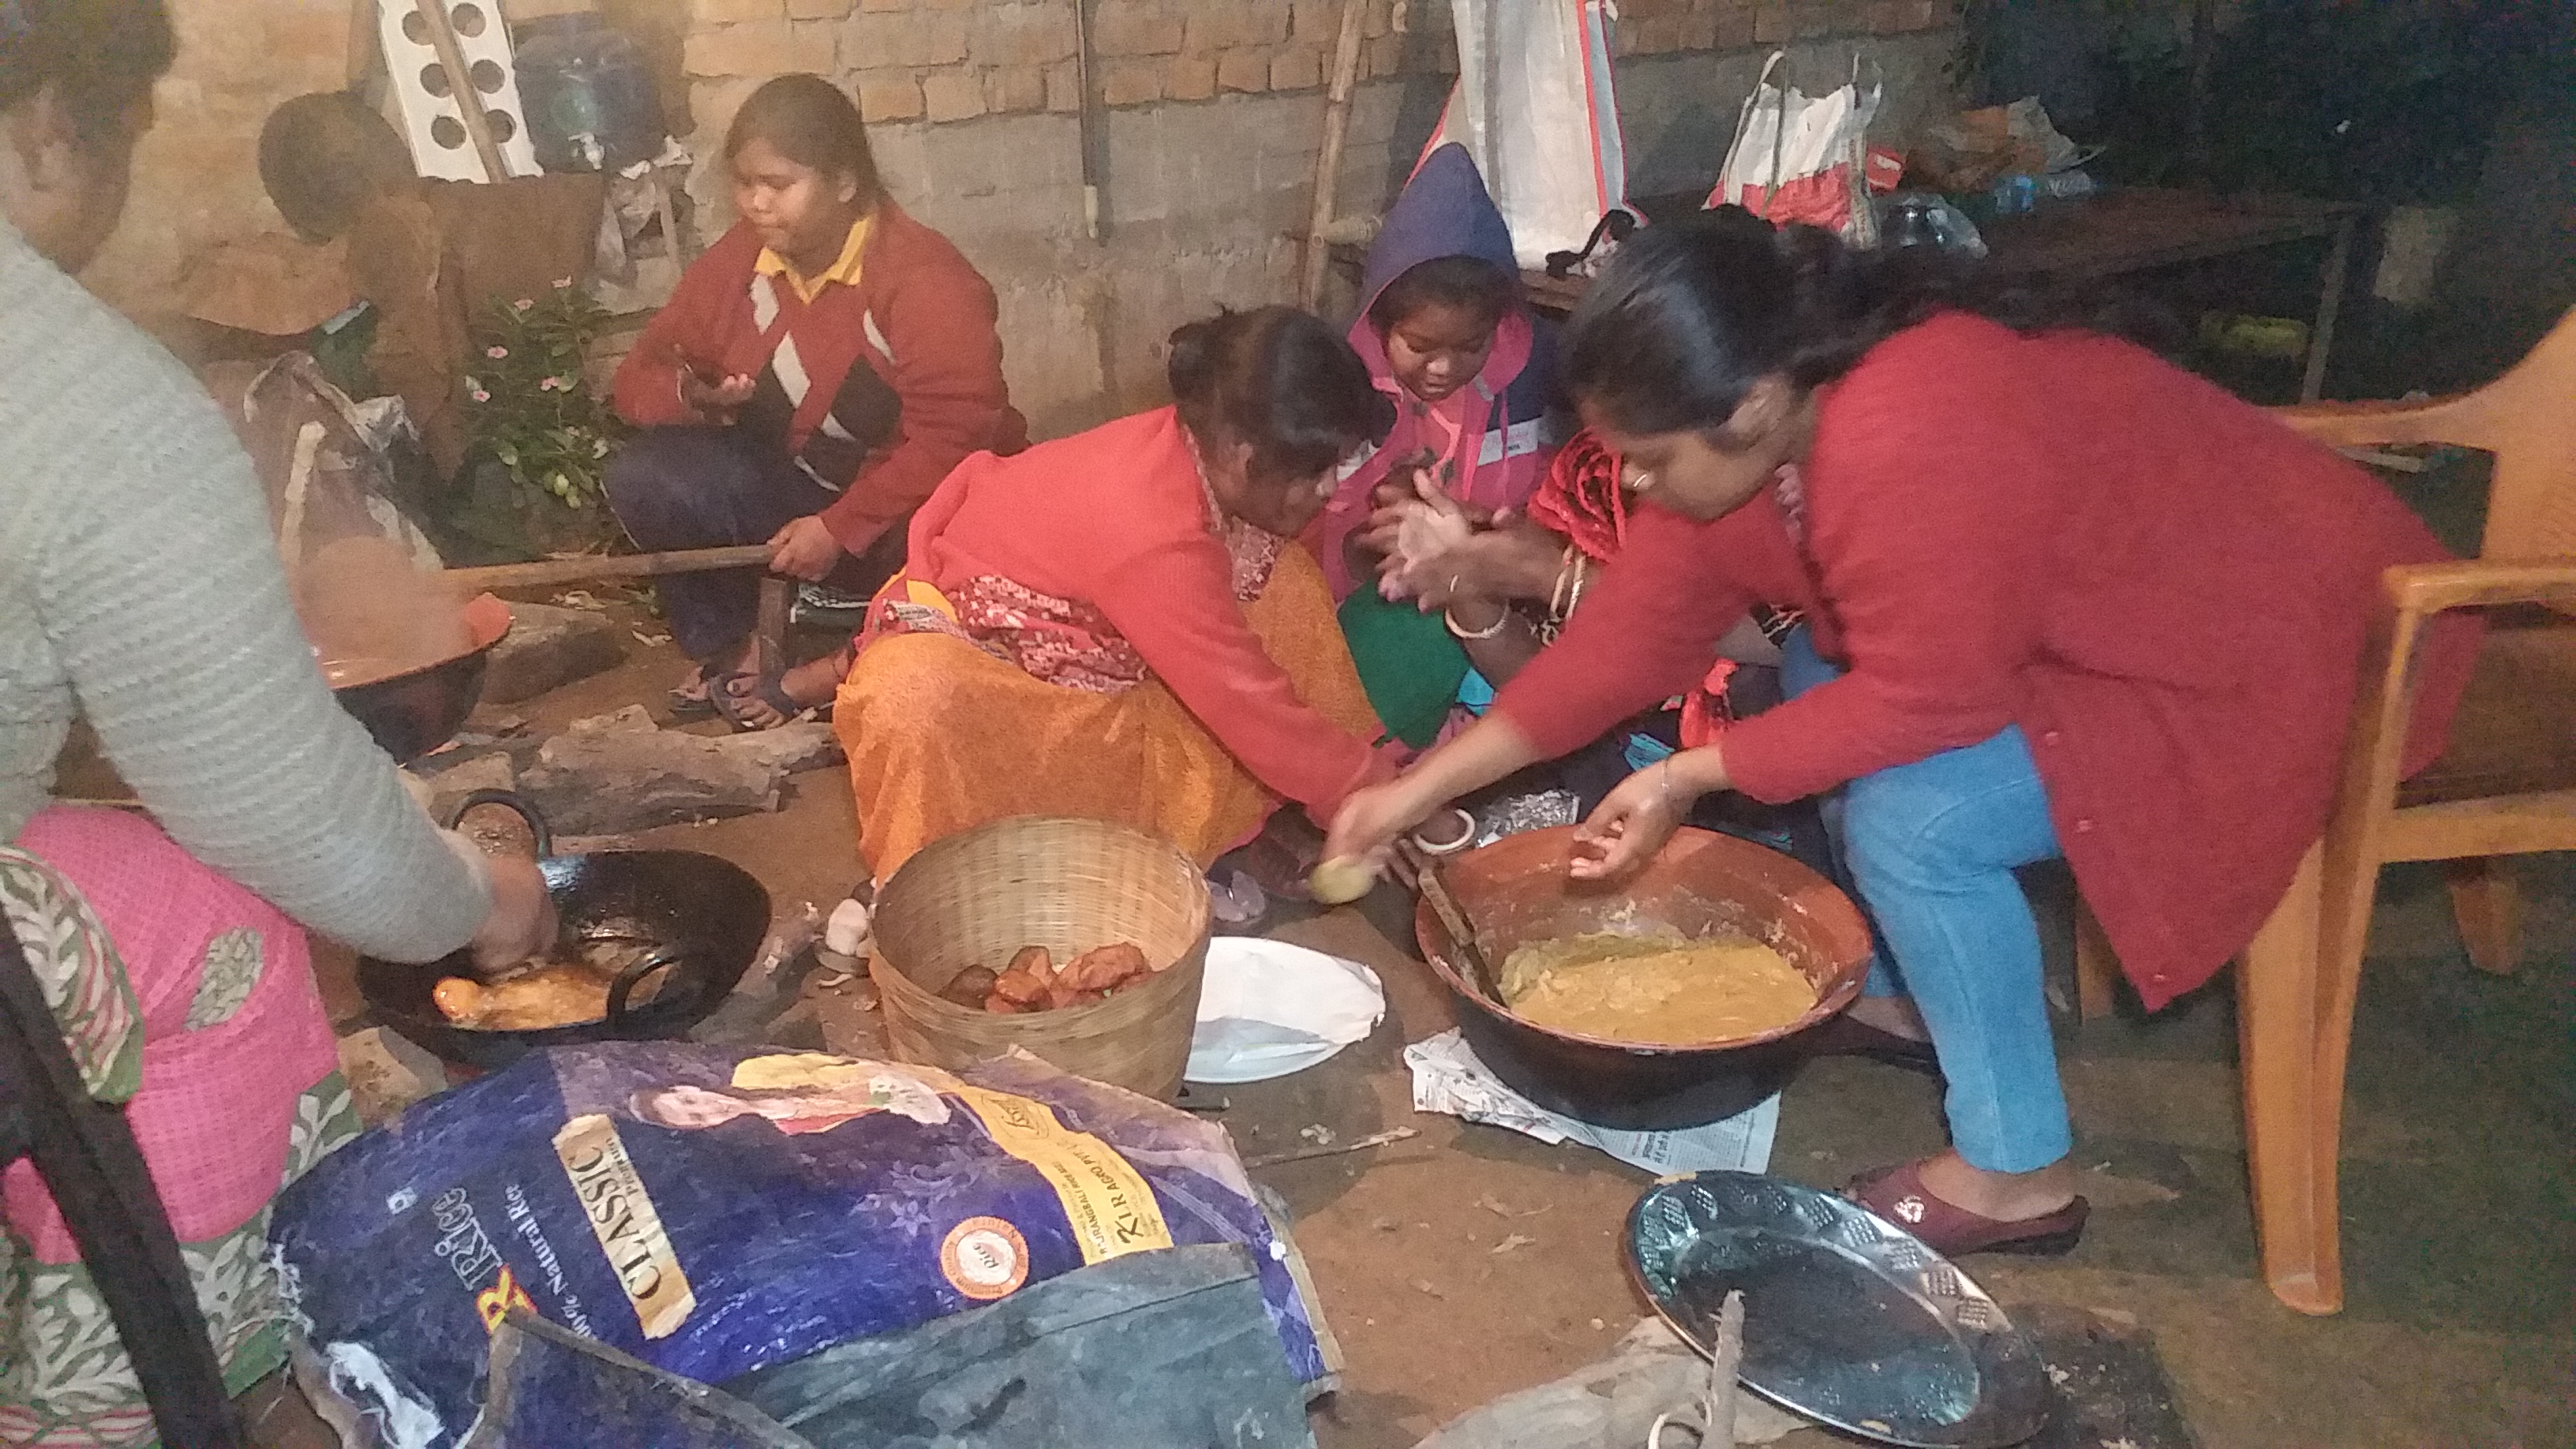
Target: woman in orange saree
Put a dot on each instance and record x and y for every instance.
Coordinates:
(1117, 625)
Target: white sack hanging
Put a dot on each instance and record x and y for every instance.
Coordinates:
(1534, 106)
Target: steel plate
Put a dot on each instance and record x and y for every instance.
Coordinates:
(1848, 1319)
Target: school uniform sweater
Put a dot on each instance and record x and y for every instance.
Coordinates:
(2166, 589)
(874, 390)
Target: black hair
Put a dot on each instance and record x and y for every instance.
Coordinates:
(811, 122)
(1281, 381)
(321, 156)
(1690, 314)
(100, 57)
(1455, 281)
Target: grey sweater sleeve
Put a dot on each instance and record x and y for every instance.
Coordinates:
(163, 599)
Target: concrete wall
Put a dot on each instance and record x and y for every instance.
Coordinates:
(1214, 110)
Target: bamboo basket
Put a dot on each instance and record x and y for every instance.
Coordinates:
(977, 897)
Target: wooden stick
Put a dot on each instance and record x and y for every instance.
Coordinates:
(460, 86)
(1336, 1149)
(606, 566)
(1726, 1358)
(1328, 162)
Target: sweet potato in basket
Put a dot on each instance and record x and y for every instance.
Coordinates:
(1105, 968)
(1033, 982)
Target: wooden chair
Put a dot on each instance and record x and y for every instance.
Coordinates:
(2505, 786)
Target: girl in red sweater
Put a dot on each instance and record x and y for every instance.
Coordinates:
(2069, 600)
(817, 373)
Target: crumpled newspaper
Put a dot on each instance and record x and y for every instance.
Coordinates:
(1447, 1078)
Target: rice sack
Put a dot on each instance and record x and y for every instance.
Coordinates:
(715, 1210)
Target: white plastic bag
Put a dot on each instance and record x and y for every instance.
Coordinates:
(1267, 1009)
(1802, 158)
(1534, 107)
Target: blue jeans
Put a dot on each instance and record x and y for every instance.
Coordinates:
(1931, 848)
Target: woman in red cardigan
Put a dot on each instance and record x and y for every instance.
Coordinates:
(1120, 624)
(817, 373)
(2077, 601)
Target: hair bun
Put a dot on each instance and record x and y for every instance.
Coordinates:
(1192, 365)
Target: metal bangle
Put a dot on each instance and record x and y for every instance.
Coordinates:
(1466, 837)
(1501, 620)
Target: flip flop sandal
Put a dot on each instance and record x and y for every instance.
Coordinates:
(1898, 1195)
(770, 689)
(1272, 865)
(683, 706)
(1237, 901)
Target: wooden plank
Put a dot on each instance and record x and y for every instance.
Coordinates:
(2502, 825)
(2142, 228)
(2116, 232)
(606, 566)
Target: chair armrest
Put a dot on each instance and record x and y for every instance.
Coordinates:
(2421, 589)
(2370, 424)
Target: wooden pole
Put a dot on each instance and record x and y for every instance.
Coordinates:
(769, 634)
(2312, 382)
(606, 566)
(1328, 161)
(460, 87)
(1089, 131)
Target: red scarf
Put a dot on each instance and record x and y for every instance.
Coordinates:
(1581, 498)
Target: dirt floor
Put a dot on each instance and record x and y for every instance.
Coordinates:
(1468, 1262)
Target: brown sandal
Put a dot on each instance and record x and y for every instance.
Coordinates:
(1898, 1195)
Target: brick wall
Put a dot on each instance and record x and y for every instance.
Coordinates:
(955, 60)
(1215, 109)
(196, 174)
(1214, 115)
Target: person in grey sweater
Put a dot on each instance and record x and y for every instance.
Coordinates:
(139, 584)
(140, 588)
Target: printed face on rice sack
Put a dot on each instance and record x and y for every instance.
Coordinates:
(798, 1094)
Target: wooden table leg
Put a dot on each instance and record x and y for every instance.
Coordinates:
(2321, 336)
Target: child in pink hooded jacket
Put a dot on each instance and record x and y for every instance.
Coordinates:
(1447, 336)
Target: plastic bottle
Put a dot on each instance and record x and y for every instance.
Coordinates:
(589, 95)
